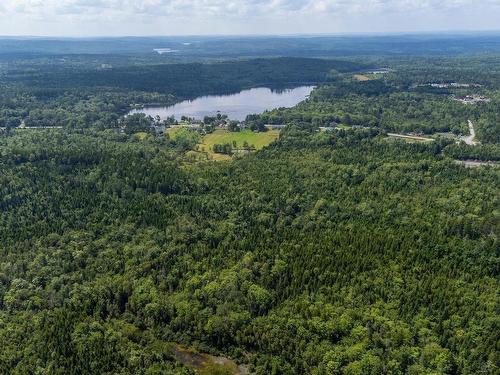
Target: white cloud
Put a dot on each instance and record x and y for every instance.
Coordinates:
(253, 16)
(158, 7)
(224, 7)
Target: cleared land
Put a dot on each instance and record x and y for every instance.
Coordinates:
(470, 139)
(410, 138)
(367, 77)
(141, 135)
(220, 136)
(476, 163)
(259, 140)
(172, 132)
(205, 364)
(361, 77)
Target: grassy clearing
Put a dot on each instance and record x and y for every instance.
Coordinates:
(259, 140)
(344, 127)
(204, 149)
(366, 77)
(205, 364)
(361, 77)
(141, 135)
(172, 132)
(204, 156)
(220, 136)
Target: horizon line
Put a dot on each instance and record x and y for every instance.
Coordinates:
(450, 32)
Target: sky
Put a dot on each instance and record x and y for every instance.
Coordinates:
(243, 17)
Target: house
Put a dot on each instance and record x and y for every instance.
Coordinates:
(194, 126)
(473, 99)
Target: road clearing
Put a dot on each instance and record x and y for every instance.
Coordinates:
(410, 137)
(470, 139)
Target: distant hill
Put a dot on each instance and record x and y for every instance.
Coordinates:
(188, 79)
(224, 47)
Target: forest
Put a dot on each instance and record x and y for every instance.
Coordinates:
(78, 95)
(326, 252)
(403, 100)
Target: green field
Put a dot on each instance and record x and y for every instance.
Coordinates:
(366, 77)
(172, 132)
(220, 136)
(259, 140)
(141, 135)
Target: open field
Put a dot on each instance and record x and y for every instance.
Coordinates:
(220, 136)
(259, 140)
(141, 135)
(476, 163)
(172, 131)
(343, 127)
(361, 77)
(367, 77)
(205, 364)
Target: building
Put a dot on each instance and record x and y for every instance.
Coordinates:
(473, 99)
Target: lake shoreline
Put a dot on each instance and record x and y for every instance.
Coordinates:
(237, 106)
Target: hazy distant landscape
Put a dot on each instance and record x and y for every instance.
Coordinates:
(192, 47)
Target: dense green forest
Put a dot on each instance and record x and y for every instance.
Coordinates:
(189, 80)
(325, 253)
(340, 251)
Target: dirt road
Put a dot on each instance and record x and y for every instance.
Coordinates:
(470, 139)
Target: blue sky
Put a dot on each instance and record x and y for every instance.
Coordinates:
(207, 17)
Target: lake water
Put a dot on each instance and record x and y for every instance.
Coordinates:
(236, 106)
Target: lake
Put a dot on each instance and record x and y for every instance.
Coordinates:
(236, 106)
